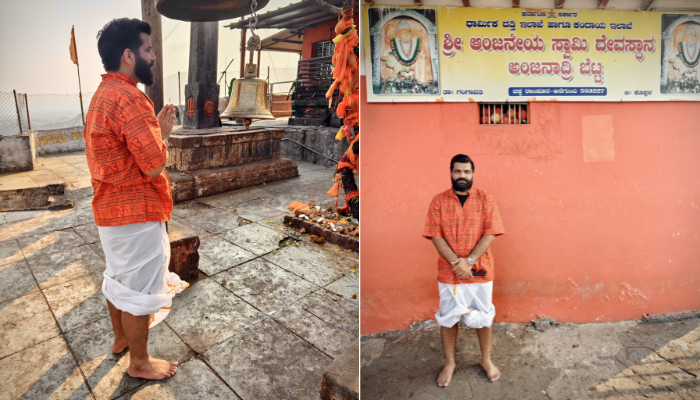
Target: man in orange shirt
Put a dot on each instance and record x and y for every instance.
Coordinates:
(125, 145)
(462, 223)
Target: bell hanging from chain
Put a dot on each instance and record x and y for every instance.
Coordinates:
(249, 98)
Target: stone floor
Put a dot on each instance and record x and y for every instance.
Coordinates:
(262, 321)
(622, 360)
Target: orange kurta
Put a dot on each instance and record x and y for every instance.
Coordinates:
(462, 227)
(122, 141)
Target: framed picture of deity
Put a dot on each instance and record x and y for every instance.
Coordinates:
(404, 52)
(680, 47)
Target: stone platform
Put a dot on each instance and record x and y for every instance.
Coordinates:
(198, 149)
(205, 162)
(191, 185)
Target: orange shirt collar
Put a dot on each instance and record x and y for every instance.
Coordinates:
(118, 75)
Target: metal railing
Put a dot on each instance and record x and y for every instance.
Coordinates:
(271, 94)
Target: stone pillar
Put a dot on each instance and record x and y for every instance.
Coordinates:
(201, 92)
(152, 16)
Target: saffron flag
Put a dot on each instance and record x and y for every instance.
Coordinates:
(73, 48)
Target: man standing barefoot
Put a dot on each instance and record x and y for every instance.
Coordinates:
(126, 153)
(462, 223)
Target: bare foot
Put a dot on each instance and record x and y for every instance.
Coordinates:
(491, 371)
(119, 345)
(446, 375)
(153, 369)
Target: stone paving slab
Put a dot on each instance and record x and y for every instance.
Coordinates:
(347, 286)
(190, 208)
(256, 212)
(47, 370)
(267, 287)
(77, 302)
(206, 314)
(61, 267)
(45, 223)
(45, 177)
(10, 252)
(217, 254)
(17, 280)
(224, 200)
(14, 216)
(312, 263)
(24, 322)
(269, 362)
(255, 238)
(315, 190)
(105, 371)
(197, 230)
(88, 232)
(337, 311)
(48, 243)
(214, 220)
(194, 380)
(67, 171)
(328, 338)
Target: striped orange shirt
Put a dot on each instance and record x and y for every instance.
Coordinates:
(462, 227)
(122, 141)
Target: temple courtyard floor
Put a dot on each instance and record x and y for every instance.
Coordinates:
(267, 313)
(620, 360)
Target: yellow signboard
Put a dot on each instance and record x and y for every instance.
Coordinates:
(512, 54)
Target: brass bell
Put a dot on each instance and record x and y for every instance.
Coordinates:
(206, 10)
(248, 98)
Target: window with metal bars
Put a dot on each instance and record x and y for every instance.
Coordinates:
(503, 114)
(323, 48)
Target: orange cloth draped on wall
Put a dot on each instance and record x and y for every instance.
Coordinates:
(462, 227)
(122, 141)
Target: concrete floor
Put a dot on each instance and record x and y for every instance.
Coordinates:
(622, 360)
(261, 321)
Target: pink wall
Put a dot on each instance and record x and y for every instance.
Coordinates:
(584, 242)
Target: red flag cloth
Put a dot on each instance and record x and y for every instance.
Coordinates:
(73, 48)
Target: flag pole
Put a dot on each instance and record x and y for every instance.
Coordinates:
(80, 93)
(74, 57)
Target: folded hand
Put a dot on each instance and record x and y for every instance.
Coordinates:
(462, 269)
(166, 118)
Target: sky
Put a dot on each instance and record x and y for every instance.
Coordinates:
(36, 35)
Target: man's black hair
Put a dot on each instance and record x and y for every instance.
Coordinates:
(461, 158)
(118, 35)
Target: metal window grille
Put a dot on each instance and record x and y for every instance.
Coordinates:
(324, 48)
(503, 114)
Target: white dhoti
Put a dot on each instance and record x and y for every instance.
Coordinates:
(137, 279)
(470, 302)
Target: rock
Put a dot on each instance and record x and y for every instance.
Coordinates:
(341, 379)
(543, 323)
(184, 251)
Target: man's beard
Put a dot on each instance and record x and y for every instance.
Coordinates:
(462, 185)
(144, 71)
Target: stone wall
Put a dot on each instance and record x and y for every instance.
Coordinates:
(17, 152)
(320, 139)
(61, 140)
